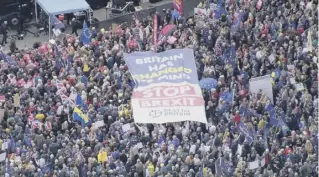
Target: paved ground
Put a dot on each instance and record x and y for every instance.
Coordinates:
(100, 14)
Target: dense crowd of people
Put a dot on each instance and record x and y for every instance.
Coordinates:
(40, 86)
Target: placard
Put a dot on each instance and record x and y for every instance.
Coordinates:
(56, 32)
(253, 165)
(1, 114)
(127, 128)
(3, 156)
(4, 146)
(262, 83)
(98, 124)
(16, 100)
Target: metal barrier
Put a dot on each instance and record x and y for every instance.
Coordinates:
(188, 5)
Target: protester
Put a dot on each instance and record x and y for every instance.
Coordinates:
(4, 32)
(42, 134)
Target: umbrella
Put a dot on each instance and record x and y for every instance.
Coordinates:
(40, 116)
(208, 83)
(165, 32)
(227, 96)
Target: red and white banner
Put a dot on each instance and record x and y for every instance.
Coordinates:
(162, 103)
(167, 88)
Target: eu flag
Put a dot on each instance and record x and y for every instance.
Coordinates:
(220, 9)
(78, 115)
(84, 80)
(243, 129)
(282, 124)
(79, 102)
(58, 64)
(272, 114)
(86, 35)
(7, 59)
(27, 140)
(57, 23)
(57, 52)
(11, 145)
(237, 21)
(223, 168)
(227, 97)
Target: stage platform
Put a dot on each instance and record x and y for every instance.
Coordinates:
(100, 14)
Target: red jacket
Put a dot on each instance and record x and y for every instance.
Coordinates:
(237, 118)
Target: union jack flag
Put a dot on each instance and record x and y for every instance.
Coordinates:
(30, 119)
(60, 87)
(36, 124)
(68, 100)
(48, 125)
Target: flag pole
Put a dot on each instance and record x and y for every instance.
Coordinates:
(155, 27)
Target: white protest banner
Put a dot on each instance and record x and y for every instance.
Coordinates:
(98, 124)
(271, 58)
(4, 146)
(213, 6)
(3, 157)
(127, 128)
(262, 83)
(139, 145)
(16, 100)
(253, 165)
(56, 32)
(167, 89)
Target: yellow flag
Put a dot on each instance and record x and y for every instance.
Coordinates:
(86, 67)
(102, 157)
(80, 116)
